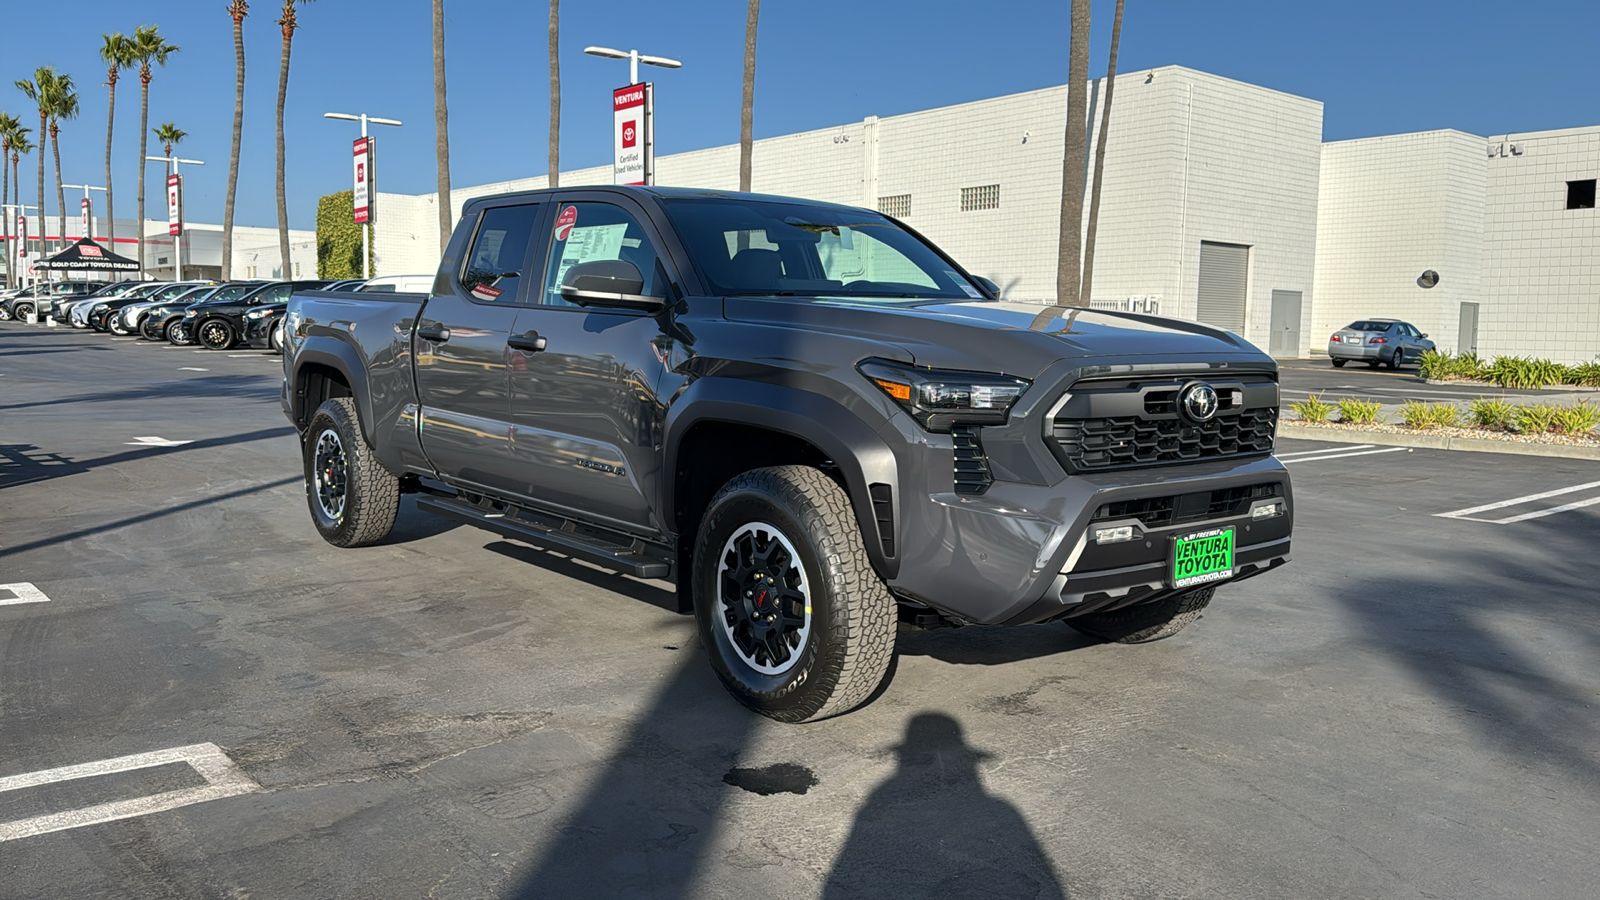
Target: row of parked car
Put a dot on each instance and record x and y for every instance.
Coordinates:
(209, 314)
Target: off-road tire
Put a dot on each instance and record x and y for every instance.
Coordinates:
(214, 334)
(848, 651)
(1145, 622)
(371, 494)
(1339, 363)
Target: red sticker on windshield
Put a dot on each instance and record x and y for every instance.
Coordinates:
(565, 221)
(487, 293)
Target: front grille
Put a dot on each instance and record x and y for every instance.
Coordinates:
(1178, 509)
(1113, 425)
(971, 463)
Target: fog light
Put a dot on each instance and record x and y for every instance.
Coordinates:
(1268, 510)
(1113, 535)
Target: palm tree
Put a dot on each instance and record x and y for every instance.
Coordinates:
(10, 128)
(441, 125)
(1100, 160)
(20, 147)
(238, 9)
(63, 105)
(288, 22)
(37, 91)
(169, 134)
(1069, 255)
(148, 47)
(747, 108)
(117, 54)
(555, 97)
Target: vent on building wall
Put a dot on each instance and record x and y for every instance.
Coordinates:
(983, 197)
(898, 205)
(1580, 194)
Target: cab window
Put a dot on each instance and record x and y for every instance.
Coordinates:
(589, 232)
(499, 254)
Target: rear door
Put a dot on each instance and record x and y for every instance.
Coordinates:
(586, 419)
(461, 352)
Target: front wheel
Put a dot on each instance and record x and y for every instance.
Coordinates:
(1145, 622)
(797, 624)
(1398, 359)
(178, 334)
(214, 334)
(354, 501)
(1339, 363)
(115, 326)
(22, 311)
(275, 336)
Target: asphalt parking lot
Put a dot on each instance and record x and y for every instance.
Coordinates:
(198, 697)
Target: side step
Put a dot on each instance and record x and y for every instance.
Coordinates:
(623, 554)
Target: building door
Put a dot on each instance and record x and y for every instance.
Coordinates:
(1285, 337)
(1467, 334)
(1224, 270)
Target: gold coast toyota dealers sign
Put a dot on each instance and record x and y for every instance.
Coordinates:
(633, 134)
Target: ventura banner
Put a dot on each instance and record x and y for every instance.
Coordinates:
(633, 134)
(88, 218)
(365, 191)
(174, 204)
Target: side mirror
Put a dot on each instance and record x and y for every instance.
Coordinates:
(1424, 334)
(991, 287)
(608, 284)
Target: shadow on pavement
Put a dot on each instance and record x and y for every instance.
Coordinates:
(23, 463)
(206, 387)
(660, 594)
(932, 830)
(976, 645)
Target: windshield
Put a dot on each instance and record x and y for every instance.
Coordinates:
(771, 248)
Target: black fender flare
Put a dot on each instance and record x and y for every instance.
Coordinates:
(852, 444)
(342, 358)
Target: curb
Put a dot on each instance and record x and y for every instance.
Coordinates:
(1560, 388)
(1435, 442)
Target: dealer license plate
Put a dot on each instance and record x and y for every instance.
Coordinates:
(1202, 557)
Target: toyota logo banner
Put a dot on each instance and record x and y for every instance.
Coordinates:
(174, 204)
(633, 134)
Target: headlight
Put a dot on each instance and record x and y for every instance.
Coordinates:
(100, 307)
(939, 399)
(257, 313)
(189, 314)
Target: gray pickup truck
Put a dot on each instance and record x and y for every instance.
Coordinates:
(808, 417)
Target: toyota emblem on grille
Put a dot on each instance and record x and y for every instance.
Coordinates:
(1199, 402)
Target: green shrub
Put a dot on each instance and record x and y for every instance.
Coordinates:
(1586, 374)
(1534, 419)
(1439, 366)
(1521, 372)
(1360, 412)
(1428, 415)
(1579, 419)
(1491, 412)
(1312, 409)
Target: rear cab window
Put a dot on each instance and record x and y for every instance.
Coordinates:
(493, 271)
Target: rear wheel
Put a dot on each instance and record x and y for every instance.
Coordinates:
(214, 334)
(1398, 359)
(796, 623)
(1339, 363)
(354, 501)
(1374, 363)
(1145, 622)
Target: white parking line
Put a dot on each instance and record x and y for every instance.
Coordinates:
(155, 442)
(1470, 512)
(21, 592)
(223, 779)
(1346, 455)
(1337, 449)
(191, 369)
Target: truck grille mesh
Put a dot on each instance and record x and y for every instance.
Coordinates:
(1129, 441)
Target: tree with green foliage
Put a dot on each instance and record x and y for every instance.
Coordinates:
(338, 237)
(117, 54)
(63, 96)
(288, 21)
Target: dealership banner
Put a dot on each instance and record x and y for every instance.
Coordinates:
(88, 218)
(365, 194)
(22, 237)
(633, 134)
(174, 204)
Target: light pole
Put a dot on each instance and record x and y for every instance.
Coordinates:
(634, 58)
(22, 241)
(177, 245)
(366, 227)
(88, 222)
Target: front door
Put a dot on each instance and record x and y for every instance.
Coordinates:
(586, 421)
(1285, 337)
(1467, 336)
(461, 350)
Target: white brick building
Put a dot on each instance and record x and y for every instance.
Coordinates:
(1221, 203)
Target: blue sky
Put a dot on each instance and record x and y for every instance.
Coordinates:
(1379, 67)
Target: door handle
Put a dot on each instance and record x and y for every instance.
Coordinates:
(436, 333)
(530, 341)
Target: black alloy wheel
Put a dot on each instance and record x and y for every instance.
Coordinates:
(795, 621)
(214, 334)
(178, 334)
(22, 311)
(354, 501)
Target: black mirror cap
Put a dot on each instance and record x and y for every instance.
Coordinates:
(608, 283)
(986, 284)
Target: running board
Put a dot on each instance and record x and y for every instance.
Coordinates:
(629, 559)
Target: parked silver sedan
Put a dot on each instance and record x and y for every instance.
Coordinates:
(1389, 342)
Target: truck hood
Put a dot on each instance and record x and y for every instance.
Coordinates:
(1016, 338)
